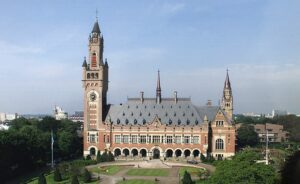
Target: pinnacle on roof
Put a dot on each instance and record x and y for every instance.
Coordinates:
(84, 64)
(227, 81)
(158, 89)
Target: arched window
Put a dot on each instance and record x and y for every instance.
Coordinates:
(88, 75)
(219, 144)
(93, 76)
(94, 60)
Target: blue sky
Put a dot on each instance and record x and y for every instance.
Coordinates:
(42, 45)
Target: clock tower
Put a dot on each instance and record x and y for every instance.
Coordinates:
(95, 86)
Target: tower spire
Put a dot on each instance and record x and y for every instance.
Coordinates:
(227, 81)
(158, 88)
(227, 100)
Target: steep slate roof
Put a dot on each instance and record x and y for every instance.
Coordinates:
(96, 28)
(181, 113)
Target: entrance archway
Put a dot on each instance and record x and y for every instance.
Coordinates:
(134, 152)
(178, 153)
(143, 152)
(187, 153)
(117, 152)
(126, 152)
(169, 153)
(156, 153)
(196, 153)
(92, 151)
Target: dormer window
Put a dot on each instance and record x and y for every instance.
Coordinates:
(135, 121)
(170, 121)
(144, 121)
(187, 121)
(196, 122)
(126, 121)
(118, 121)
(179, 121)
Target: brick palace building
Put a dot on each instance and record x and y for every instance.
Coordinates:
(151, 127)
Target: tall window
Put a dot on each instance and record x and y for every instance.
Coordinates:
(219, 123)
(125, 138)
(94, 60)
(117, 139)
(195, 140)
(134, 139)
(92, 138)
(143, 139)
(169, 139)
(186, 139)
(178, 139)
(156, 139)
(219, 144)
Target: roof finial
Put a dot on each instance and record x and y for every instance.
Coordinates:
(158, 89)
(96, 14)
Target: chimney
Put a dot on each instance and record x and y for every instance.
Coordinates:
(208, 103)
(175, 96)
(142, 96)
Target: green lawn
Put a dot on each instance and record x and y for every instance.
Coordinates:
(109, 170)
(136, 182)
(192, 170)
(148, 172)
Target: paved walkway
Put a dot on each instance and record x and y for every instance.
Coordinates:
(172, 178)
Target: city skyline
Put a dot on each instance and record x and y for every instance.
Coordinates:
(189, 42)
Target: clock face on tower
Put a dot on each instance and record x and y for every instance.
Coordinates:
(93, 96)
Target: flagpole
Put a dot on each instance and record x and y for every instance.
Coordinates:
(52, 141)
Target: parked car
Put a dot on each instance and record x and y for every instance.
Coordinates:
(192, 162)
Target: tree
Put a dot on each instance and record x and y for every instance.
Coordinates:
(74, 180)
(202, 157)
(86, 176)
(187, 178)
(110, 157)
(104, 156)
(247, 136)
(42, 179)
(57, 175)
(99, 157)
(291, 170)
(243, 169)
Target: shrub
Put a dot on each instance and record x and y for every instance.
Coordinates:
(57, 175)
(202, 157)
(86, 176)
(88, 157)
(187, 178)
(42, 179)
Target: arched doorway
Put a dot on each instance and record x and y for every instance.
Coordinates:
(134, 152)
(169, 153)
(92, 151)
(125, 152)
(187, 153)
(117, 152)
(196, 153)
(178, 153)
(143, 152)
(156, 153)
